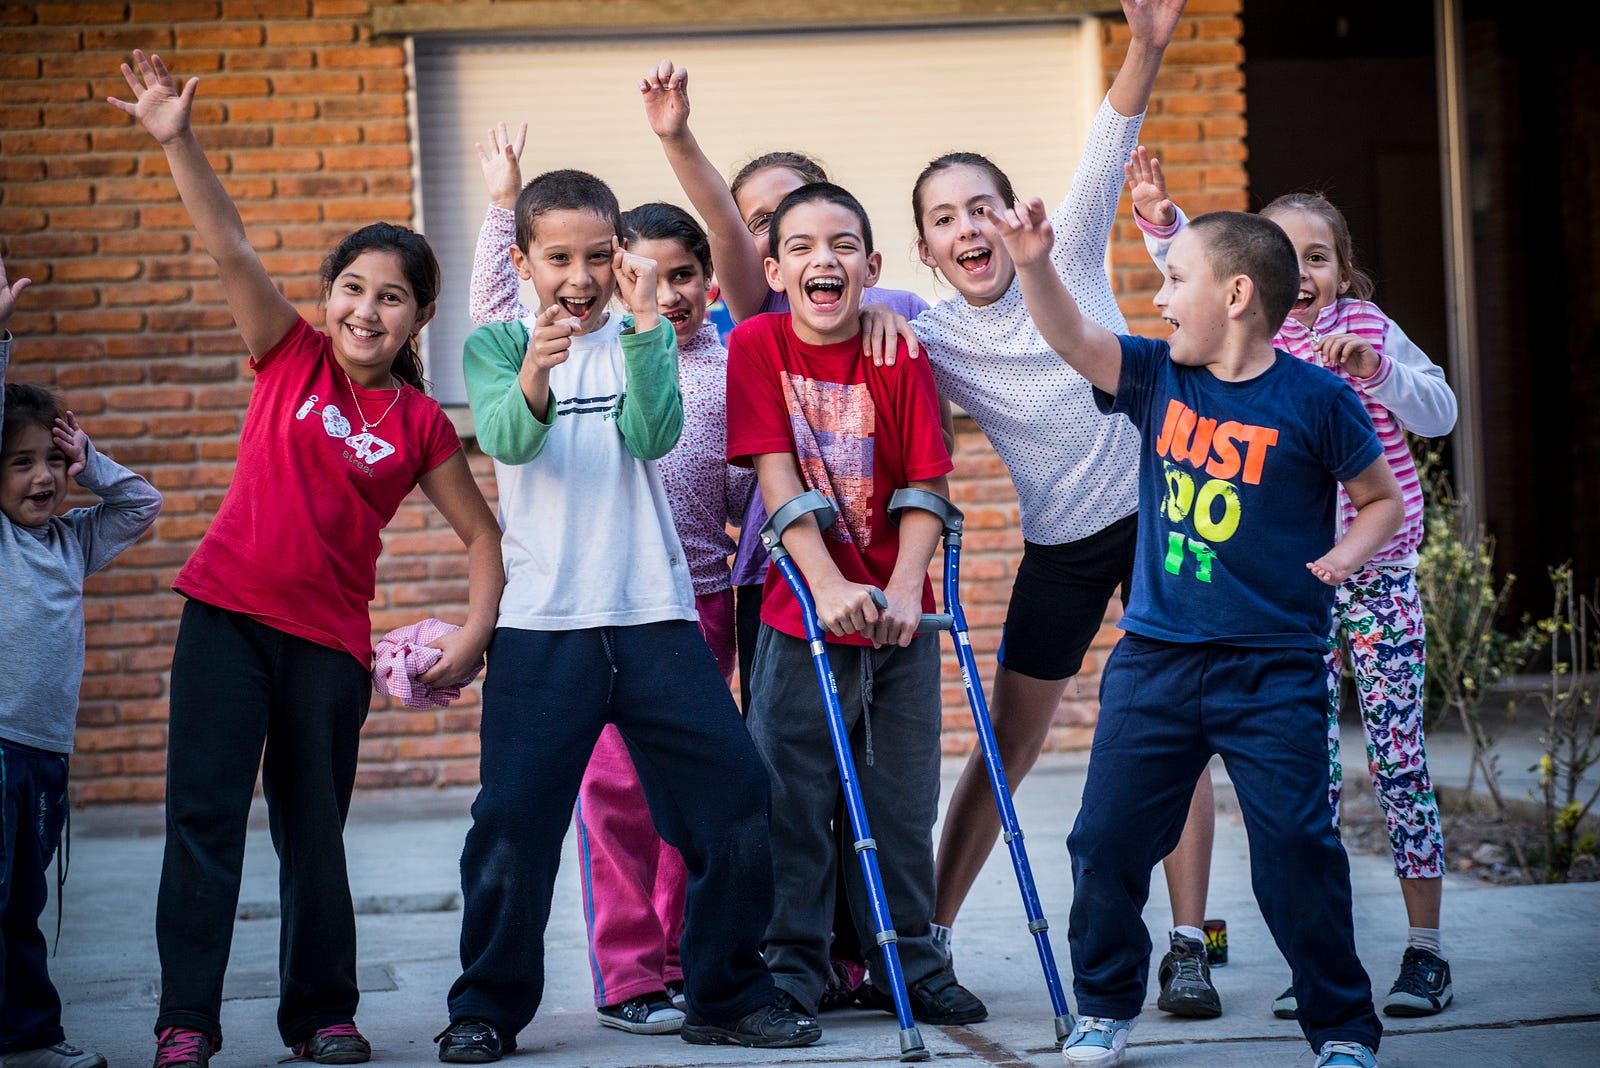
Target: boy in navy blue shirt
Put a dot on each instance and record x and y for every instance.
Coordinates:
(1235, 571)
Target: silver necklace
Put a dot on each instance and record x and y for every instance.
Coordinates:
(363, 415)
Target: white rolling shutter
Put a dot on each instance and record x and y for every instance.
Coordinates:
(873, 105)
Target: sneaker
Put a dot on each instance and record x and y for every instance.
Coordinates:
(335, 1044)
(1423, 987)
(1185, 978)
(937, 999)
(675, 995)
(1286, 1006)
(773, 1026)
(647, 1014)
(1345, 1055)
(1097, 1041)
(844, 979)
(472, 1041)
(184, 1047)
(60, 1055)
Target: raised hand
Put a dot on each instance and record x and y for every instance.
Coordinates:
(551, 340)
(665, 89)
(161, 108)
(1025, 230)
(502, 165)
(1147, 188)
(1153, 21)
(1350, 351)
(636, 285)
(9, 293)
(72, 441)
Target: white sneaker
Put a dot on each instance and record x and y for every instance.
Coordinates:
(1097, 1041)
(60, 1055)
(1346, 1055)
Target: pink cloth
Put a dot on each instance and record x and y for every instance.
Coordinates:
(634, 884)
(403, 654)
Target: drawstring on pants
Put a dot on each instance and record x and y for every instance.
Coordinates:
(866, 700)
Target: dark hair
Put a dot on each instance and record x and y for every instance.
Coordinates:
(1237, 242)
(417, 263)
(657, 221)
(1361, 284)
(27, 406)
(564, 190)
(817, 193)
(807, 169)
(1002, 184)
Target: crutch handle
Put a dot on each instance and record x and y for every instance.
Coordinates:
(928, 501)
(930, 623)
(790, 510)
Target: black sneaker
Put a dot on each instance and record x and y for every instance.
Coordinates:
(675, 994)
(184, 1047)
(936, 999)
(335, 1044)
(647, 1014)
(1423, 987)
(773, 1026)
(1185, 979)
(1286, 1006)
(472, 1041)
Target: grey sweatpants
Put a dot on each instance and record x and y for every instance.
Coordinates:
(891, 705)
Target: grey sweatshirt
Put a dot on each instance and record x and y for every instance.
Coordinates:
(41, 595)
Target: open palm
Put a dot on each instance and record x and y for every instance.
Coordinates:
(1154, 21)
(161, 108)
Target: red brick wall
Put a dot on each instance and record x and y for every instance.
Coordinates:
(304, 116)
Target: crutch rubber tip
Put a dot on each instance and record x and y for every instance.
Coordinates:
(1064, 1025)
(911, 1047)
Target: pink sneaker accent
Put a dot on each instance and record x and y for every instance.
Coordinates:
(180, 1046)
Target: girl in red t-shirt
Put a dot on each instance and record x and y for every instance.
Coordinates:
(273, 656)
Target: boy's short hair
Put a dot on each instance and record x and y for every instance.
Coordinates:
(818, 193)
(1238, 242)
(27, 406)
(564, 190)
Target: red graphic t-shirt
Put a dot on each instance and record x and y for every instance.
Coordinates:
(859, 432)
(296, 541)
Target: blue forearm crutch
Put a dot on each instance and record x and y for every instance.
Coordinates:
(950, 517)
(911, 1047)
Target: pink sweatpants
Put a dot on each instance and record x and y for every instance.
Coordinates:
(633, 882)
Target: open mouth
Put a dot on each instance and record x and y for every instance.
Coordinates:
(677, 316)
(42, 499)
(974, 260)
(361, 333)
(1302, 302)
(825, 293)
(577, 307)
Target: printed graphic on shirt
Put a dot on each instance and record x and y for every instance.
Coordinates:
(1202, 461)
(833, 426)
(363, 449)
(605, 407)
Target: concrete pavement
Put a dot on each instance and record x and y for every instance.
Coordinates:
(1524, 959)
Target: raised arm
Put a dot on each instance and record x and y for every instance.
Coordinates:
(1086, 346)
(261, 312)
(495, 295)
(665, 90)
(1151, 24)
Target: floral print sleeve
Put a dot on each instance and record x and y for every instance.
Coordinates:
(496, 296)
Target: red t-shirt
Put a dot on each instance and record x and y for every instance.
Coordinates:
(296, 541)
(860, 432)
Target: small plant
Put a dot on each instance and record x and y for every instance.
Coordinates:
(1462, 604)
(1571, 736)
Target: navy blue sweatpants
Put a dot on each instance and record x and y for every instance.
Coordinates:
(33, 806)
(545, 698)
(1164, 710)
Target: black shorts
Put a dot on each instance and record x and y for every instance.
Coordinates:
(1058, 600)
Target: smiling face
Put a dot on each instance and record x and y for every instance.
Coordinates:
(371, 314)
(759, 196)
(823, 265)
(952, 200)
(680, 284)
(568, 260)
(1323, 277)
(33, 475)
(1193, 301)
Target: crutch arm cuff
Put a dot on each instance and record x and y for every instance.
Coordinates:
(790, 510)
(928, 501)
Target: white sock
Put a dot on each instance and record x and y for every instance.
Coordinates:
(1189, 932)
(1425, 938)
(941, 935)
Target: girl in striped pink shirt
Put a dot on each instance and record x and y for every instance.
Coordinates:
(1377, 615)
